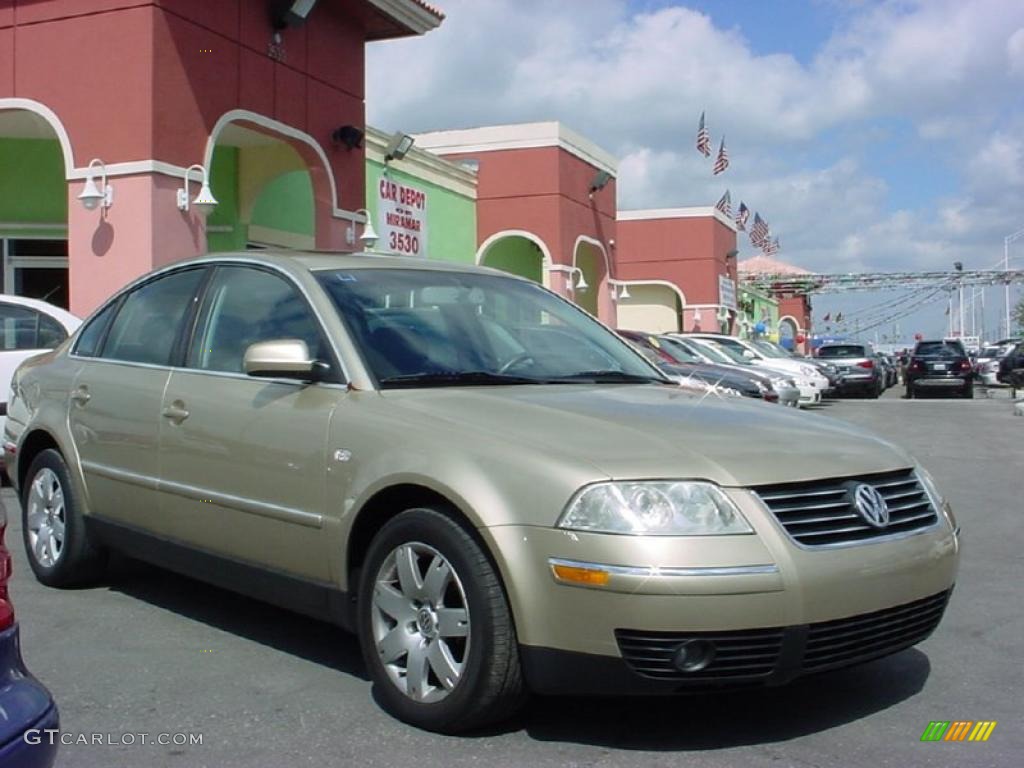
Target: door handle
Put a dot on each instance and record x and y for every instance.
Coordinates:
(176, 412)
(81, 396)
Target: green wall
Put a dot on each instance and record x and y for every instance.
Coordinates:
(32, 184)
(224, 185)
(451, 217)
(286, 204)
(517, 255)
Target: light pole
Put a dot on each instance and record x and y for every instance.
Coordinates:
(959, 267)
(1006, 268)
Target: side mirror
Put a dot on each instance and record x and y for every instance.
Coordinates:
(748, 354)
(281, 359)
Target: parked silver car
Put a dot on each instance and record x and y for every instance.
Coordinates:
(495, 491)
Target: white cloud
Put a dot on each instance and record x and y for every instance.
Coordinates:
(801, 135)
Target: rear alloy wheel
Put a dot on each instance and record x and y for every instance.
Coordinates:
(435, 626)
(59, 549)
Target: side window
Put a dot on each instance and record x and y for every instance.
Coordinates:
(88, 343)
(25, 328)
(245, 306)
(150, 318)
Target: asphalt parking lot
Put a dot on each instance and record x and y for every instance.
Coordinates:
(150, 652)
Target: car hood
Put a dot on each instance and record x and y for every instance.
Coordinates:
(650, 431)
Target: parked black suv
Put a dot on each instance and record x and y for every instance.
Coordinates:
(940, 366)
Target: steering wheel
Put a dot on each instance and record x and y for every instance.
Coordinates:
(522, 357)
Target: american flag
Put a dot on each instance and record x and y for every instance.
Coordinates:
(827, 317)
(771, 246)
(724, 204)
(742, 214)
(759, 231)
(703, 138)
(722, 161)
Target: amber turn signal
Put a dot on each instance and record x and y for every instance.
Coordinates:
(574, 575)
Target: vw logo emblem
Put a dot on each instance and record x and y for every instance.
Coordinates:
(871, 505)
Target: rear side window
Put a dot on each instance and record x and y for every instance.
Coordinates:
(89, 339)
(939, 349)
(842, 350)
(26, 328)
(150, 318)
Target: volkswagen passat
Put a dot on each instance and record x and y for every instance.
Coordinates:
(497, 493)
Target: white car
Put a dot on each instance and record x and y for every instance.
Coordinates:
(808, 378)
(27, 327)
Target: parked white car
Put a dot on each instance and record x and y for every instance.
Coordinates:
(808, 379)
(27, 327)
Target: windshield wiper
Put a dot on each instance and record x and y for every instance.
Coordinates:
(454, 379)
(610, 377)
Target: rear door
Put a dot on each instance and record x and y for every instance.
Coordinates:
(243, 467)
(114, 414)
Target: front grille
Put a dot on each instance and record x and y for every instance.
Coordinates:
(739, 656)
(821, 512)
(849, 641)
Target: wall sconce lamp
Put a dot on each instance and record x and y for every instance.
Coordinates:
(398, 147)
(93, 197)
(369, 236)
(289, 13)
(599, 182)
(348, 135)
(204, 202)
(620, 289)
(581, 283)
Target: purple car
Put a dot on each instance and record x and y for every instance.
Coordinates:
(26, 707)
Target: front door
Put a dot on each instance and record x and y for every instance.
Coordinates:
(126, 353)
(243, 459)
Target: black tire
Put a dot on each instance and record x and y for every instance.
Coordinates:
(491, 686)
(969, 392)
(910, 392)
(875, 392)
(80, 560)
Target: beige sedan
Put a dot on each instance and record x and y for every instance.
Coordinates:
(492, 489)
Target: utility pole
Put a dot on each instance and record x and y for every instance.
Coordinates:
(959, 267)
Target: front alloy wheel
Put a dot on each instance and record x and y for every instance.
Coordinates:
(435, 625)
(420, 622)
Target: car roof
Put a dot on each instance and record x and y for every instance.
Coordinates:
(327, 260)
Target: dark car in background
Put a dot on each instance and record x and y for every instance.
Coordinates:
(26, 707)
(861, 371)
(681, 362)
(1011, 366)
(940, 366)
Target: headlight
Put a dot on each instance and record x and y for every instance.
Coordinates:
(808, 371)
(654, 509)
(727, 391)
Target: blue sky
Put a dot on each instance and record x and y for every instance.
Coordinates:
(873, 135)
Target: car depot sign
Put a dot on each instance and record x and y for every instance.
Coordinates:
(402, 211)
(726, 292)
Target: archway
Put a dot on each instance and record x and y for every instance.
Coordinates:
(652, 306)
(788, 330)
(36, 158)
(264, 191)
(518, 252)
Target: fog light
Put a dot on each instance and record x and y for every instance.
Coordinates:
(693, 655)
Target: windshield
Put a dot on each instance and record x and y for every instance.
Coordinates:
(711, 352)
(771, 350)
(449, 328)
(734, 354)
(939, 349)
(842, 350)
(679, 351)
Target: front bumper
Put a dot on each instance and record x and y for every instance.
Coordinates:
(25, 705)
(765, 657)
(711, 584)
